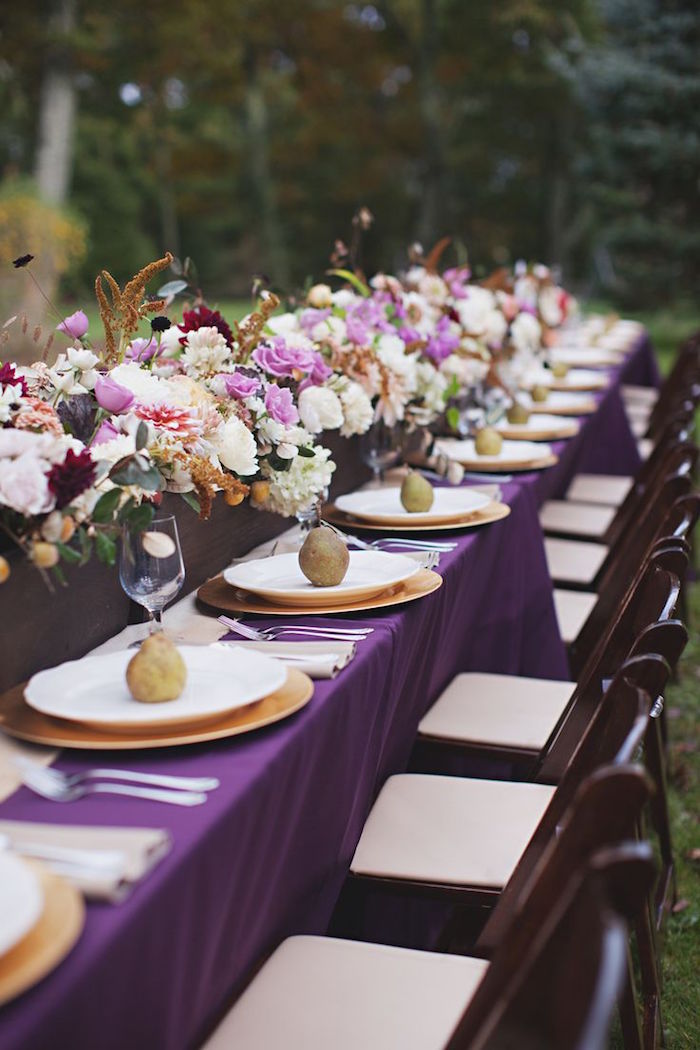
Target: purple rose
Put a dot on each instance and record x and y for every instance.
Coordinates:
(278, 359)
(280, 405)
(106, 432)
(239, 385)
(319, 373)
(142, 349)
(112, 396)
(311, 317)
(410, 335)
(442, 343)
(74, 326)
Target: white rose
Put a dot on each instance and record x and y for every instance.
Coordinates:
(495, 328)
(475, 309)
(343, 298)
(282, 324)
(236, 448)
(320, 409)
(170, 345)
(550, 311)
(81, 358)
(24, 485)
(146, 387)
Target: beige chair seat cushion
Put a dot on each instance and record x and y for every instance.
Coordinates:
(570, 561)
(451, 830)
(637, 412)
(573, 609)
(498, 709)
(321, 993)
(578, 519)
(608, 489)
(645, 447)
(639, 427)
(640, 395)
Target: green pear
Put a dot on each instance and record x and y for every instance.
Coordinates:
(559, 369)
(416, 493)
(488, 442)
(324, 558)
(539, 393)
(517, 414)
(157, 672)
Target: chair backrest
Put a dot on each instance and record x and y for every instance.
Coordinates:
(604, 810)
(664, 523)
(676, 432)
(558, 990)
(624, 704)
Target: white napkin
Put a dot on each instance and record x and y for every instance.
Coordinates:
(197, 630)
(140, 848)
(316, 659)
(10, 749)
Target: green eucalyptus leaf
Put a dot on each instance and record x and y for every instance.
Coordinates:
(106, 548)
(140, 517)
(69, 554)
(307, 453)
(141, 436)
(191, 501)
(106, 506)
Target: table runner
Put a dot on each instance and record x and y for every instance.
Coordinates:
(267, 855)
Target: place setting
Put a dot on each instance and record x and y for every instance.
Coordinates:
(520, 423)
(575, 380)
(489, 452)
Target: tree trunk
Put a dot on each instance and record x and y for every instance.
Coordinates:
(274, 259)
(54, 158)
(430, 217)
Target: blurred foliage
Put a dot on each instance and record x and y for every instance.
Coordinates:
(246, 134)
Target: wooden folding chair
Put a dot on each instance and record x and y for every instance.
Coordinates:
(506, 722)
(320, 992)
(580, 565)
(571, 519)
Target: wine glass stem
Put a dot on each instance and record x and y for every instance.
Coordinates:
(155, 621)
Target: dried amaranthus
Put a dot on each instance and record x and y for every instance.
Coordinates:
(249, 331)
(208, 480)
(121, 316)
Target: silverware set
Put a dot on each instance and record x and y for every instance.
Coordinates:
(280, 631)
(56, 786)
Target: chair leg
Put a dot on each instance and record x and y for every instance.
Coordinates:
(652, 1027)
(629, 1011)
(666, 885)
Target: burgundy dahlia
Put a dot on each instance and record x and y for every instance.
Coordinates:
(68, 479)
(203, 317)
(8, 377)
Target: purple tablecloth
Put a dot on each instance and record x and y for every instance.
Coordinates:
(267, 855)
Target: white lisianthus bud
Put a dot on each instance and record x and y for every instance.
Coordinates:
(320, 296)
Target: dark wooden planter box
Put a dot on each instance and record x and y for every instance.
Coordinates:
(40, 629)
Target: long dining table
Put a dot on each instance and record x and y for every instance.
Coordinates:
(267, 855)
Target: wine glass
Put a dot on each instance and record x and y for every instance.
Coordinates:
(310, 515)
(151, 569)
(380, 448)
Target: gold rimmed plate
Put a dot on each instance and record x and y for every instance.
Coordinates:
(219, 595)
(514, 456)
(493, 512)
(20, 720)
(48, 942)
(539, 428)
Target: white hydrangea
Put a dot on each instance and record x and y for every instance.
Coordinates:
(475, 311)
(320, 409)
(205, 351)
(431, 386)
(236, 447)
(298, 487)
(283, 324)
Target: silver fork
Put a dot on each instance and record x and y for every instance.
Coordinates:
(49, 788)
(332, 634)
(441, 546)
(155, 779)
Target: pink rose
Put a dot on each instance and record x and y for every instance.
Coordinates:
(280, 405)
(239, 385)
(74, 326)
(112, 396)
(142, 349)
(106, 432)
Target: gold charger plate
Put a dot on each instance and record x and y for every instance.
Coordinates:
(219, 595)
(48, 942)
(508, 466)
(522, 433)
(18, 719)
(493, 512)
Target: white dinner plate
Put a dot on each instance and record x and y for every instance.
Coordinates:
(379, 505)
(575, 379)
(515, 452)
(547, 428)
(21, 900)
(280, 579)
(94, 690)
(585, 357)
(559, 401)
